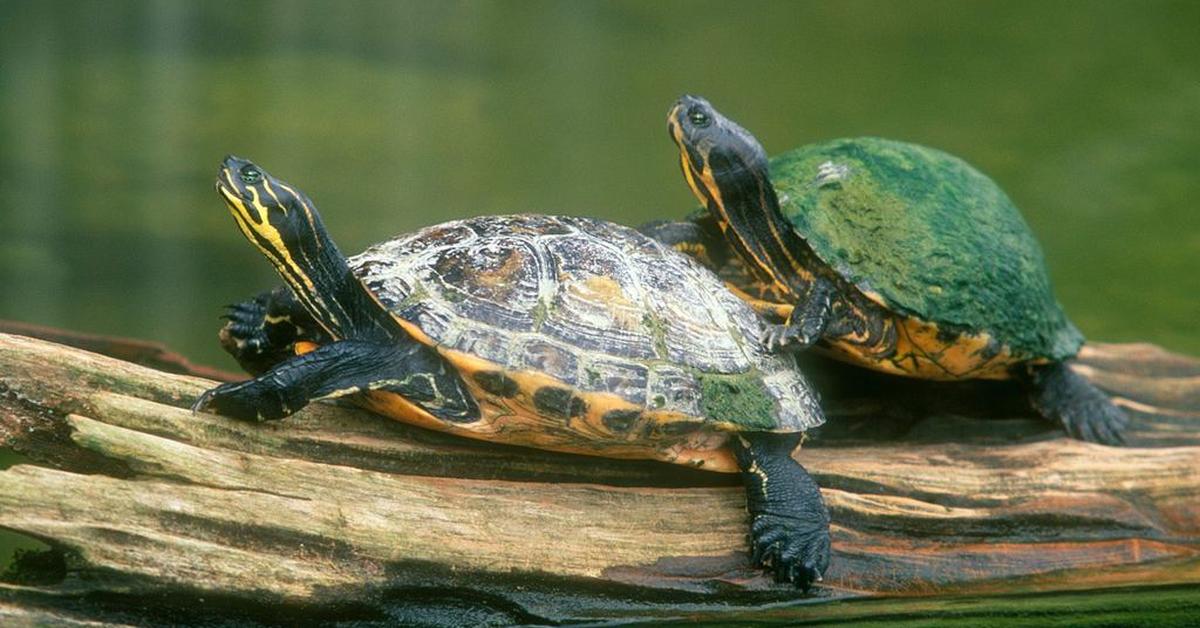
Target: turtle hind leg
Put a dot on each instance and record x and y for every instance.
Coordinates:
(263, 331)
(341, 368)
(789, 524)
(1062, 395)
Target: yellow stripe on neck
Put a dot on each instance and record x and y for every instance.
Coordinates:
(272, 235)
(301, 284)
(710, 183)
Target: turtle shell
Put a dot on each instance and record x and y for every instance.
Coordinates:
(926, 235)
(587, 319)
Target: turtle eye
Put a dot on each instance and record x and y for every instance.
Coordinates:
(250, 175)
(699, 118)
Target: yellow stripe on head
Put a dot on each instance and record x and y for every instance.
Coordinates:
(308, 210)
(262, 230)
(263, 212)
(686, 165)
(685, 162)
(271, 190)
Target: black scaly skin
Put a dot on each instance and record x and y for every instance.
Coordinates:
(789, 526)
(1062, 395)
(263, 331)
(334, 370)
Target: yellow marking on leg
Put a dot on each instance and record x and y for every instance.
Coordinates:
(762, 475)
(341, 392)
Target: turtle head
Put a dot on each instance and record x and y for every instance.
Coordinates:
(274, 215)
(713, 150)
(283, 224)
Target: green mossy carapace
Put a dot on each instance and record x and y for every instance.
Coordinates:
(932, 236)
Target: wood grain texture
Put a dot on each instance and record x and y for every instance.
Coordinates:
(337, 513)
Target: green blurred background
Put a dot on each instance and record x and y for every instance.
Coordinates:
(394, 115)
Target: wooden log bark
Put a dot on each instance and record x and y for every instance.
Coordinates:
(337, 513)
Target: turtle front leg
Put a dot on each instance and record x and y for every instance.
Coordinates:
(342, 368)
(789, 525)
(1063, 396)
(807, 323)
(263, 331)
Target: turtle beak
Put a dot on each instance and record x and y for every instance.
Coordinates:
(675, 119)
(673, 128)
(226, 183)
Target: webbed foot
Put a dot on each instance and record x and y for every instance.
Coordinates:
(789, 526)
(244, 333)
(262, 332)
(807, 323)
(1085, 412)
(794, 550)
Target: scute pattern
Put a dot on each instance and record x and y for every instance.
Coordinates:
(598, 306)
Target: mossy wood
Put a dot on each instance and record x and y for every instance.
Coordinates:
(339, 514)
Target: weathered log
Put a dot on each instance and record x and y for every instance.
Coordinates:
(152, 354)
(341, 514)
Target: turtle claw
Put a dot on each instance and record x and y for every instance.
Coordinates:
(793, 550)
(201, 403)
(260, 333)
(778, 338)
(245, 334)
(1101, 423)
(246, 401)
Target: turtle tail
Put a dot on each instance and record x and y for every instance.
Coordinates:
(1085, 412)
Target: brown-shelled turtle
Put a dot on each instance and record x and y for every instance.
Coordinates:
(889, 255)
(561, 333)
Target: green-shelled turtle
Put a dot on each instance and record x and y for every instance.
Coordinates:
(889, 255)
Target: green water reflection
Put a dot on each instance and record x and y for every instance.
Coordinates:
(393, 115)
